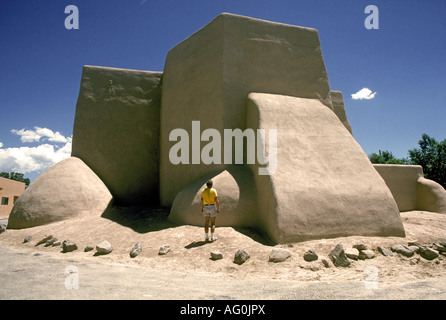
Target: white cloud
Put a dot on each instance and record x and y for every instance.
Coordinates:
(30, 159)
(57, 137)
(35, 159)
(39, 133)
(27, 135)
(364, 94)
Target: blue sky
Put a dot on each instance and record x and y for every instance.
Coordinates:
(41, 63)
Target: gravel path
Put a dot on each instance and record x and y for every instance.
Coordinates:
(41, 276)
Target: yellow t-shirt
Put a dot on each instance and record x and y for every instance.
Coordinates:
(209, 195)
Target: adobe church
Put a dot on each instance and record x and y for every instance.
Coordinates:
(235, 73)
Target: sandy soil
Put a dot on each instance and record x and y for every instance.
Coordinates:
(123, 227)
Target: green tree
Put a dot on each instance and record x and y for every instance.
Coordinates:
(431, 155)
(386, 157)
(15, 176)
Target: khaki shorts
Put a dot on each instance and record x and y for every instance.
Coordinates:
(210, 210)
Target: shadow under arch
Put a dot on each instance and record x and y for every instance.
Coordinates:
(140, 218)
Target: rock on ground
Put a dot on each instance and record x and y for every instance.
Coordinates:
(136, 250)
(216, 255)
(51, 242)
(428, 253)
(56, 243)
(68, 246)
(366, 254)
(338, 257)
(241, 256)
(352, 253)
(385, 252)
(88, 248)
(360, 246)
(326, 263)
(438, 247)
(44, 240)
(104, 247)
(279, 255)
(404, 250)
(310, 255)
(164, 250)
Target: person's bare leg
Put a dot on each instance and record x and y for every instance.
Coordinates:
(213, 228)
(206, 226)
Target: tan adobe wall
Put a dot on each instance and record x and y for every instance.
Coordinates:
(402, 182)
(411, 190)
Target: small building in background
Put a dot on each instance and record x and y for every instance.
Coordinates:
(10, 191)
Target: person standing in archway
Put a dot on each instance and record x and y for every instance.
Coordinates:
(209, 208)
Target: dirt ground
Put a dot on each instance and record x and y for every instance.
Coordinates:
(123, 227)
